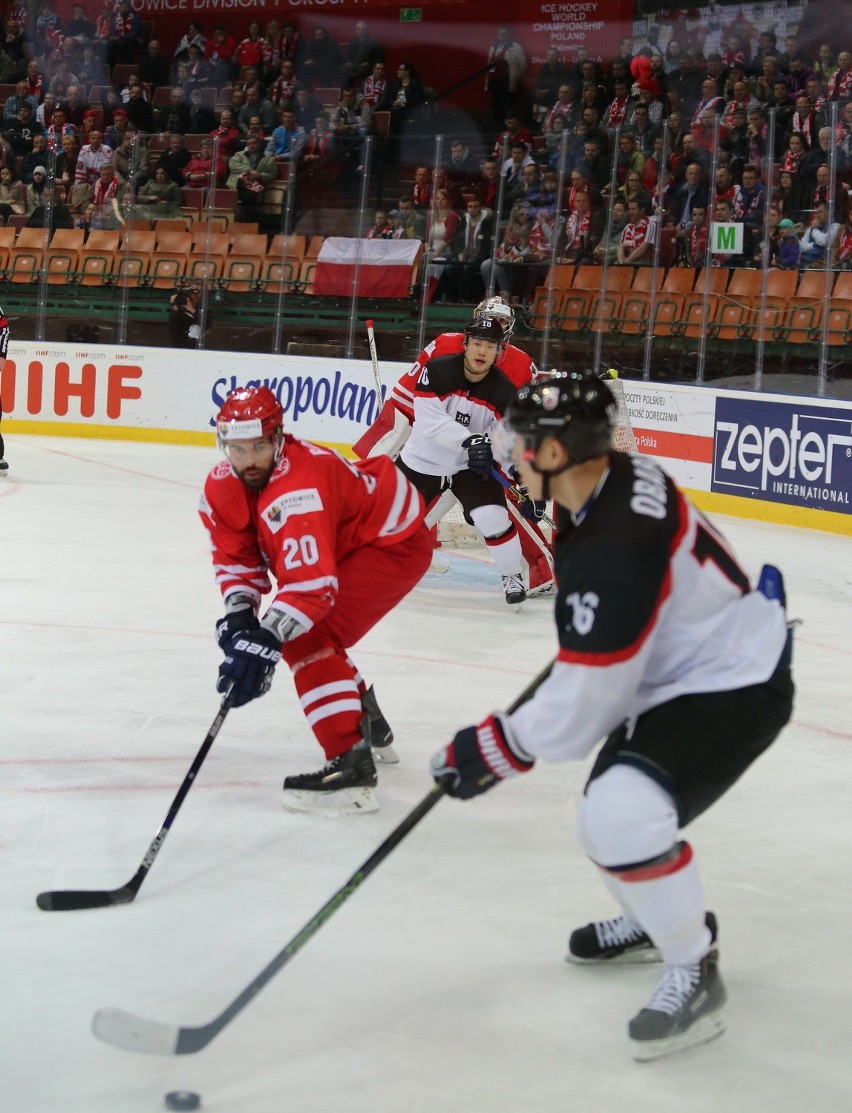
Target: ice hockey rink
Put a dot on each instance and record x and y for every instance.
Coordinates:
(440, 984)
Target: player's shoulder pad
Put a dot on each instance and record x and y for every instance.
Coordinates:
(612, 568)
(441, 374)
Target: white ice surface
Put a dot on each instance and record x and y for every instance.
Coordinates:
(440, 985)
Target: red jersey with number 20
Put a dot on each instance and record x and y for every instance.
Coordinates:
(515, 365)
(315, 511)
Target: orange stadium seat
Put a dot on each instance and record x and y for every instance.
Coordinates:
(24, 265)
(205, 267)
(544, 300)
(307, 275)
(62, 263)
(102, 240)
(679, 280)
(68, 238)
(95, 267)
(132, 268)
(694, 318)
(180, 242)
(668, 312)
(167, 268)
(247, 243)
(243, 271)
(279, 275)
(30, 237)
(138, 239)
(203, 240)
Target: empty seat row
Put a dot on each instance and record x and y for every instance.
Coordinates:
(155, 269)
(170, 235)
(791, 310)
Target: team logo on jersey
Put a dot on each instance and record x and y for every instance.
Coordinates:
(463, 419)
(306, 501)
(222, 470)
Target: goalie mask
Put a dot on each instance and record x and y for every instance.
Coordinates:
(249, 413)
(577, 409)
(498, 309)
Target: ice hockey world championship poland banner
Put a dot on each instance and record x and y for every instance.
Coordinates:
(383, 267)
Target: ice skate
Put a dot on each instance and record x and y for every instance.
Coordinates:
(4, 468)
(684, 1011)
(619, 942)
(514, 590)
(377, 730)
(342, 787)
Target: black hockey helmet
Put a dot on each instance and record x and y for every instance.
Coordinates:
(576, 408)
(485, 328)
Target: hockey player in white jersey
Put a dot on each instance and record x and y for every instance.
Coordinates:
(667, 653)
(457, 400)
(392, 428)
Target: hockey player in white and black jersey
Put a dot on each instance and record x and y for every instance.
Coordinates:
(457, 401)
(667, 653)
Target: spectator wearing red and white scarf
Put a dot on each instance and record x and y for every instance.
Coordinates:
(710, 99)
(804, 120)
(283, 91)
(840, 82)
(103, 212)
(566, 106)
(375, 84)
(793, 155)
(616, 111)
(637, 238)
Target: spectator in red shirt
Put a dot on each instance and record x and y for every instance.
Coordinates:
(219, 54)
(227, 133)
(250, 51)
(513, 133)
(200, 170)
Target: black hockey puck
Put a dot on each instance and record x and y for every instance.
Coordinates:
(183, 1099)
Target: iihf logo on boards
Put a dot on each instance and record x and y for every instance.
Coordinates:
(786, 452)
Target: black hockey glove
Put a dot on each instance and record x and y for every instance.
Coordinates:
(531, 509)
(477, 758)
(251, 657)
(480, 458)
(244, 619)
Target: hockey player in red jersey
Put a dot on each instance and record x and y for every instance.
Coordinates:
(344, 544)
(667, 652)
(392, 428)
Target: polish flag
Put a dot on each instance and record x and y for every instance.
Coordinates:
(384, 267)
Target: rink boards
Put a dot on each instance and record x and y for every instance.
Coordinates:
(771, 457)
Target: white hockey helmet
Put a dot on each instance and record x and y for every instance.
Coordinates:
(498, 309)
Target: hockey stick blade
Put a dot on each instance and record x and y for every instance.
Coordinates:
(69, 900)
(73, 900)
(136, 1033)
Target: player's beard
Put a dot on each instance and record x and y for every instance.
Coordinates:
(255, 477)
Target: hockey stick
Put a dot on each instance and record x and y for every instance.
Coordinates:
(371, 340)
(520, 496)
(67, 900)
(135, 1033)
